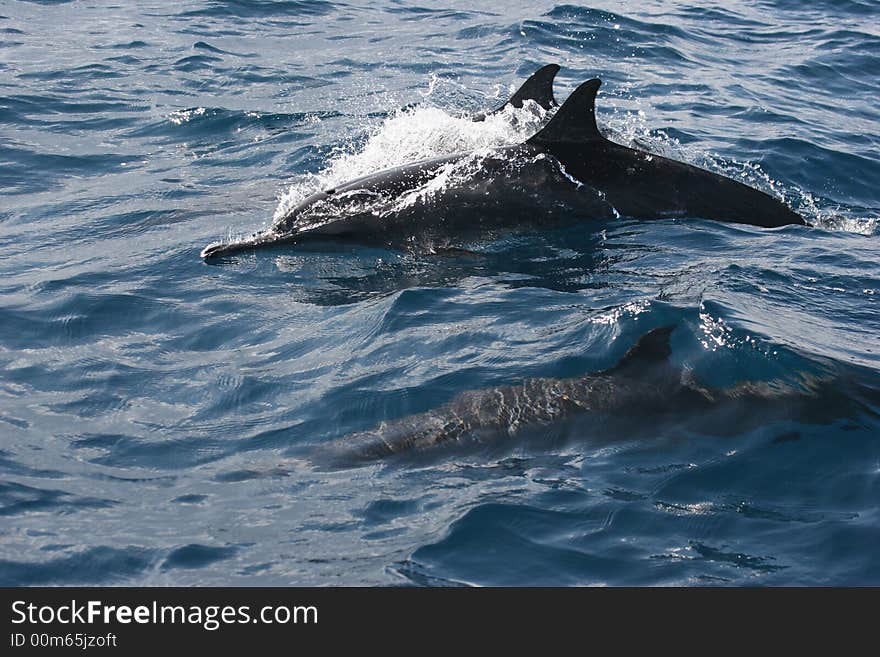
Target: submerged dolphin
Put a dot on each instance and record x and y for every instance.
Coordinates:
(644, 385)
(567, 170)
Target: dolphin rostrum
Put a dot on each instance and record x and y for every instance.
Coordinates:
(567, 171)
(643, 385)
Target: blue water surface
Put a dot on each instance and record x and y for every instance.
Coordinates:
(155, 410)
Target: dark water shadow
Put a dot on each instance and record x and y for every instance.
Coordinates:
(570, 259)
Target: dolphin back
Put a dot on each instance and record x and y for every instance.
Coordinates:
(645, 185)
(643, 379)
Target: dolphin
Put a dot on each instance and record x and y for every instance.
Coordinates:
(644, 385)
(567, 171)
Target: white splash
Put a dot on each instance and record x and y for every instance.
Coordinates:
(414, 134)
(179, 117)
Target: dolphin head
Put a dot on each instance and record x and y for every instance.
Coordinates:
(266, 237)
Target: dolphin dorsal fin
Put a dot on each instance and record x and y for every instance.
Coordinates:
(539, 88)
(575, 121)
(650, 352)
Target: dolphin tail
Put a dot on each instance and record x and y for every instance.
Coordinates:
(539, 88)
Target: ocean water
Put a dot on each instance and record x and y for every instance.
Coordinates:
(155, 410)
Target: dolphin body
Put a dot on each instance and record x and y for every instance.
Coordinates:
(643, 386)
(567, 170)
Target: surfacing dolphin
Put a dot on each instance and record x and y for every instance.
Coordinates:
(644, 385)
(567, 171)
